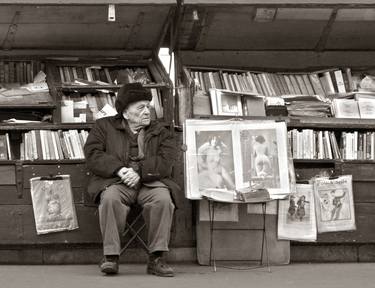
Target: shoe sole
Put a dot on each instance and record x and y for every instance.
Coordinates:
(151, 272)
(109, 270)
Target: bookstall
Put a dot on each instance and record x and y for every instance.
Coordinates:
(223, 44)
(60, 64)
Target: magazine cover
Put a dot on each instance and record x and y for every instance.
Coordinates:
(296, 220)
(334, 204)
(53, 205)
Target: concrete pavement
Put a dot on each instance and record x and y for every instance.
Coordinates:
(357, 275)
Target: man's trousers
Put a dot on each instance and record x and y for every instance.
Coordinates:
(158, 209)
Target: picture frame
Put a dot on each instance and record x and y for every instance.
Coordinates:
(223, 158)
(225, 103)
(334, 204)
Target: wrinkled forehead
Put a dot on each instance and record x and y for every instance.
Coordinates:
(137, 104)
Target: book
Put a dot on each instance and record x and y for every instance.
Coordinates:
(3, 148)
(156, 102)
(301, 84)
(289, 84)
(340, 81)
(10, 156)
(310, 89)
(346, 108)
(366, 108)
(317, 86)
(295, 85)
(327, 83)
(255, 105)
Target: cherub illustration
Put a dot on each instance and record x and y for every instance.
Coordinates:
(53, 204)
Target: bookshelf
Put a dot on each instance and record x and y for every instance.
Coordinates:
(73, 34)
(84, 87)
(287, 38)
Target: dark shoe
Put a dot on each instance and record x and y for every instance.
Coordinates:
(157, 266)
(110, 265)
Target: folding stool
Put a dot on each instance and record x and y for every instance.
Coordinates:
(134, 226)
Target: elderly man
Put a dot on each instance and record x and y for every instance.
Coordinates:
(131, 159)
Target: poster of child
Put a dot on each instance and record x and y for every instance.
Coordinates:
(297, 219)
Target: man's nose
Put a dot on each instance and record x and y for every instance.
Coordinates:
(147, 110)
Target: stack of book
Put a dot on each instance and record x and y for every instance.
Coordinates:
(100, 75)
(53, 145)
(358, 145)
(312, 144)
(307, 105)
(362, 105)
(19, 71)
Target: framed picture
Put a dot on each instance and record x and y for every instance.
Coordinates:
(334, 204)
(225, 103)
(225, 156)
(296, 217)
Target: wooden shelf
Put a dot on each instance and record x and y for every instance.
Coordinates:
(44, 126)
(317, 123)
(83, 88)
(315, 161)
(44, 162)
(28, 106)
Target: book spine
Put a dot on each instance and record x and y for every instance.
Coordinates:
(9, 149)
(3, 148)
(339, 81)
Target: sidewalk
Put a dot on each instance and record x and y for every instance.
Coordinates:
(357, 275)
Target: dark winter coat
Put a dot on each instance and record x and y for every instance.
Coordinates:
(107, 147)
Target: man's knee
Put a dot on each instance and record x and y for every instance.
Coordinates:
(163, 198)
(110, 196)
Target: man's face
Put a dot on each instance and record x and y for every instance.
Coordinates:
(138, 113)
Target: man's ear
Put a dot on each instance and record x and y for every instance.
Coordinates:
(125, 114)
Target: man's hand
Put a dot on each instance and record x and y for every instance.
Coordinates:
(128, 176)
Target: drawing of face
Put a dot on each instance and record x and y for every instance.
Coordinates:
(325, 200)
(54, 207)
(213, 159)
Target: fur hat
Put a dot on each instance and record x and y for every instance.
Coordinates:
(129, 93)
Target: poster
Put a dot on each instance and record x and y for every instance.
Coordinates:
(53, 205)
(296, 216)
(334, 204)
(227, 156)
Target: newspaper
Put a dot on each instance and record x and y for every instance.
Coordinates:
(296, 219)
(53, 206)
(334, 204)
